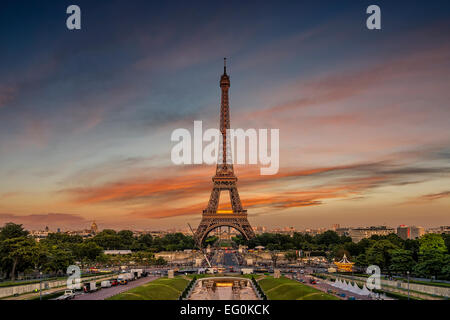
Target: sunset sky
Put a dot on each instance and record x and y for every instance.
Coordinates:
(86, 116)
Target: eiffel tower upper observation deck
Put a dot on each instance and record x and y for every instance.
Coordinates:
(224, 180)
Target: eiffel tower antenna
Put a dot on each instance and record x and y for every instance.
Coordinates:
(224, 180)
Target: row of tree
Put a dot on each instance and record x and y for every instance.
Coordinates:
(21, 253)
(110, 240)
(428, 256)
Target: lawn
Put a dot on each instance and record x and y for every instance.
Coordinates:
(160, 289)
(287, 289)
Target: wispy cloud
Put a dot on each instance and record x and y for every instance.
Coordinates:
(7, 93)
(184, 190)
(435, 196)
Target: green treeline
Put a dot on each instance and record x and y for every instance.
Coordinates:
(425, 257)
(20, 253)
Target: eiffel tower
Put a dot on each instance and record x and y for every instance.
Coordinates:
(224, 180)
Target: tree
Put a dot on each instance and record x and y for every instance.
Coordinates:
(211, 240)
(339, 251)
(17, 254)
(274, 257)
(379, 254)
(446, 269)
(446, 238)
(413, 246)
(432, 244)
(108, 239)
(11, 230)
(87, 251)
(361, 260)
(290, 256)
(62, 238)
(58, 260)
(160, 261)
(327, 238)
(146, 240)
(143, 257)
(432, 252)
(401, 261)
(126, 238)
(352, 248)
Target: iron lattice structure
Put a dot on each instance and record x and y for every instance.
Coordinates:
(224, 180)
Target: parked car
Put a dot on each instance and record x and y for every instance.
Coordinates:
(105, 284)
(90, 287)
(136, 273)
(68, 294)
(114, 282)
(124, 278)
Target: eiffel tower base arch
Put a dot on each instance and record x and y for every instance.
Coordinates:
(236, 221)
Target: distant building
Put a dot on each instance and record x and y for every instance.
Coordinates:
(410, 232)
(416, 232)
(336, 226)
(314, 232)
(259, 229)
(94, 228)
(440, 230)
(357, 234)
(404, 232)
(39, 235)
(117, 252)
(342, 231)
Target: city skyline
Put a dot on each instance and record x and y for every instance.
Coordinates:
(257, 228)
(363, 115)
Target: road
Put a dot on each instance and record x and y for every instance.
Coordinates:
(109, 292)
(322, 285)
(229, 259)
(28, 296)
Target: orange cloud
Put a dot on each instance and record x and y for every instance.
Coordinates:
(185, 190)
(429, 197)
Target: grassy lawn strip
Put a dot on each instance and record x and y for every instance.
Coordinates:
(287, 289)
(160, 289)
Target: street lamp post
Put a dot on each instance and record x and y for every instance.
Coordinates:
(407, 272)
(40, 285)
